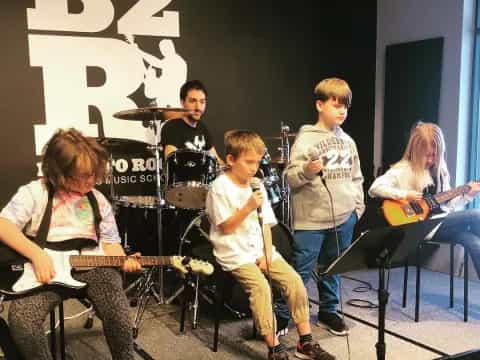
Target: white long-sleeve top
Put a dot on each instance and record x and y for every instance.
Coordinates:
(397, 181)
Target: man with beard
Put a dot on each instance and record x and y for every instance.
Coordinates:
(189, 132)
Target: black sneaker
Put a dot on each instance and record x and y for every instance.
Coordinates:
(281, 355)
(333, 323)
(311, 350)
(282, 325)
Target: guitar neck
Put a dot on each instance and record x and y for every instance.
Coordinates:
(449, 195)
(116, 261)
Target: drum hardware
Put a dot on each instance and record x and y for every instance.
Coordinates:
(152, 117)
(270, 179)
(194, 281)
(206, 292)
(285, 134)
(282, 160)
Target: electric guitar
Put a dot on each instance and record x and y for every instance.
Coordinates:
(399, 212)
(21, 279)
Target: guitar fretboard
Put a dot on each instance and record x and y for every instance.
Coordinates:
(449, 195)
(114, 261)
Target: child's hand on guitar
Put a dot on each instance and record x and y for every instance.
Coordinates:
(132, 264)
(413, 195)
(43, 266)
(474, 188)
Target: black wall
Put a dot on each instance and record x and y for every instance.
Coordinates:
(259, 59)
(413, 77)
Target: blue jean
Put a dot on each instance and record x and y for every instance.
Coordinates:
(312, 247)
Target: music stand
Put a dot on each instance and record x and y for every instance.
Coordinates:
(382, 248)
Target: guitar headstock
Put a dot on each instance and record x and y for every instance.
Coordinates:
(186, 264)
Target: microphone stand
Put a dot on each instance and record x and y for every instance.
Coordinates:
(285, 150)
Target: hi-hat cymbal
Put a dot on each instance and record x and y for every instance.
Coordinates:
(151, 113)
(279, 137)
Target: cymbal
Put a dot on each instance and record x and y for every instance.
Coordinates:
(279, 137)
(122, 146)
(151, 113)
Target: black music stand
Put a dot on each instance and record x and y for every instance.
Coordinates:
(382, 248)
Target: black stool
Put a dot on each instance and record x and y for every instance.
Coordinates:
(430, 244)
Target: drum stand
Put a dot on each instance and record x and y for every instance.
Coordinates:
(146, 284)
(194, 281)
(285, 188)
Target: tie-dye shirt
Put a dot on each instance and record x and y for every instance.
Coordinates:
(72, 215)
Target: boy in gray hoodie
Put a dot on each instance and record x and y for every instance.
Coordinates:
(324, 159)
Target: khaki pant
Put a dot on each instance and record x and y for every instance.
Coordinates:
(255, 284)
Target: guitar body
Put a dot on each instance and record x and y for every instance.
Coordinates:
(400, 212)
(21, 279)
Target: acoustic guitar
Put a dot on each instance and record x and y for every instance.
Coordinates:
(400, 212)
(21, 279)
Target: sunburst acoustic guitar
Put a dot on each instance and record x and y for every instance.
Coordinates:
(400, 212)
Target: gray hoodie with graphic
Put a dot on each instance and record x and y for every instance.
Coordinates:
(341, 171)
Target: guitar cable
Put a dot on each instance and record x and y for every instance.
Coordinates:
(74, 316)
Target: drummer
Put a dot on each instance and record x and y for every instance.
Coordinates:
(189, 132)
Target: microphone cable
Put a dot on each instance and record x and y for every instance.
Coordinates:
(332, 212)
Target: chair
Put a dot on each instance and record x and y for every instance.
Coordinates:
(61, 321)
(429, 245)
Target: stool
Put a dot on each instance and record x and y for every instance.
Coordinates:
(418, 279)
(61, 321)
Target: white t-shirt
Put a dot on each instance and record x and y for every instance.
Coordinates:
(72, 215)
(245, 244)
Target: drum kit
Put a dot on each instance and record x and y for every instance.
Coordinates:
(143, 193)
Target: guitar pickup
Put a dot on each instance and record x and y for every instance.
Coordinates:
(416, 207)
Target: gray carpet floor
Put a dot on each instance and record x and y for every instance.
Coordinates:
(440, 328)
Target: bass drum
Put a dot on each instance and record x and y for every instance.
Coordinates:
(235, 298)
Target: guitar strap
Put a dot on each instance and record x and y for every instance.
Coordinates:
(97, 218)
(8, 256)
(42, 233)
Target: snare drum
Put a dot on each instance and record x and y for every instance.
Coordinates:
(188, 174)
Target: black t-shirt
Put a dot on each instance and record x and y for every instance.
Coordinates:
(178, 133)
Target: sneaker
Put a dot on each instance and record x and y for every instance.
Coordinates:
(333, 323)
(282, 326)
(311, 350)
(281, 355)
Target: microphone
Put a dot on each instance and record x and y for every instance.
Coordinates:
(314, 155)
(255, 185)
